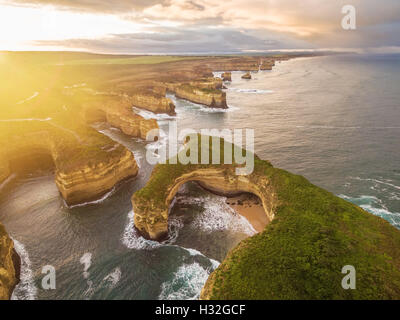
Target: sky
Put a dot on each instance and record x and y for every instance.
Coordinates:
(197, 26)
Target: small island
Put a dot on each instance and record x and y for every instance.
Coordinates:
(246, 76)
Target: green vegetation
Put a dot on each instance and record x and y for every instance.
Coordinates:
(128, 60)
(163, 175)
(301, 253)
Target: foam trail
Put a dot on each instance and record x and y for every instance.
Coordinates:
(257, 91)
(26, 289)
(151, 115)
(26, 119)
(377, 181)
(86, 260)
(113, 278)
(186, 284)
(103, 198)
(7, 181)
(30, 98)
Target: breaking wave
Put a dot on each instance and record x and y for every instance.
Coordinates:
(26, 289)
(259, 91)
(375, 206)
(186, 284)
(113, 278)
(151, 115)
(217, 215)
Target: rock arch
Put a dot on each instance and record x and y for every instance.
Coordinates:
(151, 204)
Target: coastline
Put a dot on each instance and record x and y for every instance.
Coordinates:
(250, 207)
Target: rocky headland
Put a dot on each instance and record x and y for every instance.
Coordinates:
(300, 253)
(86, 163)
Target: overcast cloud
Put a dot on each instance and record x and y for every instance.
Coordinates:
(228, 26)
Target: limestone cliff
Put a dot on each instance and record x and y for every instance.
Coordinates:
(153, 103)
(9, 265)
(227, 76)
(117, 111)
(86, 163)
(212, 97)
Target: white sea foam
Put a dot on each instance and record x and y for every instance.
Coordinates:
(218, 216)
(188, 105)
(7, 181)
(86, 260)
(100, 200)
(375, 206)
(78, 85)
(186, 284)
(30, 98)
(113, 278)
(151, 115)
(26, 289)
(257, 91)
(194, 252)
(133, 240)
(26, 119)
(377, 181)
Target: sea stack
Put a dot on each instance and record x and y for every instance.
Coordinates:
(247, 76)
(227, 76)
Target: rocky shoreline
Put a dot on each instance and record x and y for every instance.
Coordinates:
(10, 264)
(52, 131)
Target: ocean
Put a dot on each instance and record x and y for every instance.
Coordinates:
(334, 120)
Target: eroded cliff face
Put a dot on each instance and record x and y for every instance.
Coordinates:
(86, 163)
(117, 111)
(83, 182)
(151, 216)
(204, 91)
(227, 76)
(9, 265)
(151, 204)
(153, 103)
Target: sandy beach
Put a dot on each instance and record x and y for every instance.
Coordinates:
(250, 207)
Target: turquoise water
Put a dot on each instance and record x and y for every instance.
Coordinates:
(334, 120)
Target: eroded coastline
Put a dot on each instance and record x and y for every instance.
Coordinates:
(96, 113)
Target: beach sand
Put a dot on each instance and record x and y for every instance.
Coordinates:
(250, 207)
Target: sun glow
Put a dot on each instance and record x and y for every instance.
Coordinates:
(22, 27)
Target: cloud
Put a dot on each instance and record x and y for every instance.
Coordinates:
(100, 6)
(177, 40)
(242, 23)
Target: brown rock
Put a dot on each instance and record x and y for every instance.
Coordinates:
(247, 76)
